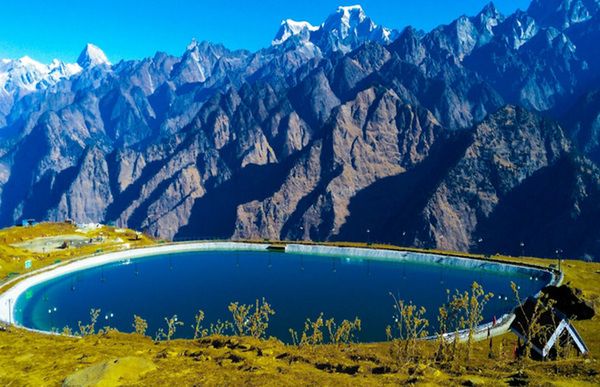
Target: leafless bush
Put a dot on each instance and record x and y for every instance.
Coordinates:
(251, 320)
(220, 328)
(198, 330)
(172, 324)
(343, 333)
(89, 329)
(312, 334)
(409, 326)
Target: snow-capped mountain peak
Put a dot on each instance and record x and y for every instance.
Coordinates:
(193, 45)
(291, 28)
(347, 20)
(490, 10)
(351, 15)
(349, 27)
(92, 56)
(344, 30)
(489, 17)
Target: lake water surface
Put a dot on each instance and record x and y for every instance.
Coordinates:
(296, 285)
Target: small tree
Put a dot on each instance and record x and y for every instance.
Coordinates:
(313, 332)
(463, 312)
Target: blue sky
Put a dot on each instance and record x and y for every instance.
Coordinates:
(130, 29)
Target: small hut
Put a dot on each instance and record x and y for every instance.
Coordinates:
(556, 329)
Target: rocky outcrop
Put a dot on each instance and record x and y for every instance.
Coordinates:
(570, 301)
(115, 371)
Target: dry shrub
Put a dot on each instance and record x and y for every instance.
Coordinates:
(139, 325)
(89, 329)
(172, 324)
(410, 325)
(251, 320)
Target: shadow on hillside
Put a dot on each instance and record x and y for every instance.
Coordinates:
(524, 216)
(214, 214)
(391, 208)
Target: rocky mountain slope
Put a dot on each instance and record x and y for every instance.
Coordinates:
(479, 135)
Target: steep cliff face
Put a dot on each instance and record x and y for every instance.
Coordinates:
(347, 131)
(88, 195)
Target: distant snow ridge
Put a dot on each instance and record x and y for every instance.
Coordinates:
(343, 30)
(27, 75)
(22, 76)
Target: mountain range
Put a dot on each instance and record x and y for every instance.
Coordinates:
(481, 135)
